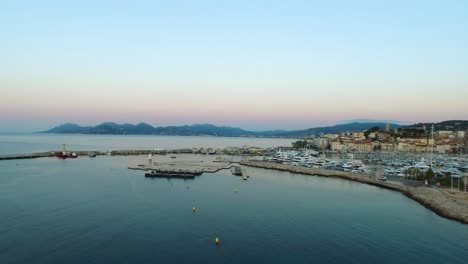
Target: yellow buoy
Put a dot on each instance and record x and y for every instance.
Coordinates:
(194, 209)
(217, 241)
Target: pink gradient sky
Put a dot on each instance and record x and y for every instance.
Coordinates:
(244, 64)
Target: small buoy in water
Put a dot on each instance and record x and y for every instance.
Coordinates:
(235, 190)
(217, 241)
(194, 209)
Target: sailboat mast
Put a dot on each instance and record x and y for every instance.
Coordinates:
(432, 143)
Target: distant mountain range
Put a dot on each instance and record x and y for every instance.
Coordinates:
(449, 125)
(111, 128)
(207, 129)
(337, 129)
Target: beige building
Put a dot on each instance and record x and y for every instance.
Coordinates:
(442, 148)
(358, 135)
(406, 147)
(387, 146)
(335, 145)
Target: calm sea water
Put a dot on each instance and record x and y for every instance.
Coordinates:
(97, 211)
(28, 142)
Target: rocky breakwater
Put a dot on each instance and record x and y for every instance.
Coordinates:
(367, 179)
(452, 205)
(449, 204)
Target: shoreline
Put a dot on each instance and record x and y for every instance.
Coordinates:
(437, 200)
(444, 203)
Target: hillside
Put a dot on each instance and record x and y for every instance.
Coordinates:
(337, 129)
(449, 125)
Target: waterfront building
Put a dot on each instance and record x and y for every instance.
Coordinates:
(335, 145)
(387, 146)
(321, 142)
(460, 134)
(406, 147)
(363, 145)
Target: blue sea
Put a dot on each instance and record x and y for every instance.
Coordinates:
(95, 210)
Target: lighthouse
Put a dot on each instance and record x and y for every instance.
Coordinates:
(150, 159)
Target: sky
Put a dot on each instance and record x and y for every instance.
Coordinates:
(251, 64)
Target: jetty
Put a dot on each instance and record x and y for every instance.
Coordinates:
(173, 174)
(184, 169)
(27, 156)
(231, 151)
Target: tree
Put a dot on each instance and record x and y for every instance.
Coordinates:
(373, 129)
(300, 144)
(429, 174)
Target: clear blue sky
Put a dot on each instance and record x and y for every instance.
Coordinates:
(253, 64)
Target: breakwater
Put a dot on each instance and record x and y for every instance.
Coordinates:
(438, 200)
(78, 153)
(26, 156)
(219, 151)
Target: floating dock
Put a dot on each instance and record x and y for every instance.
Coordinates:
(172, 174)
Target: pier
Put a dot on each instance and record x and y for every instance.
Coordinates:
(232, 151)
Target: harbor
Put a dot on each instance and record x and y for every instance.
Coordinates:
(371, 168)
(106, 196)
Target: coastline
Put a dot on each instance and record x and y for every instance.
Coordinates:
(447, 204)
(442, 202)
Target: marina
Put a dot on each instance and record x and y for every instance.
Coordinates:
(389, 170)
